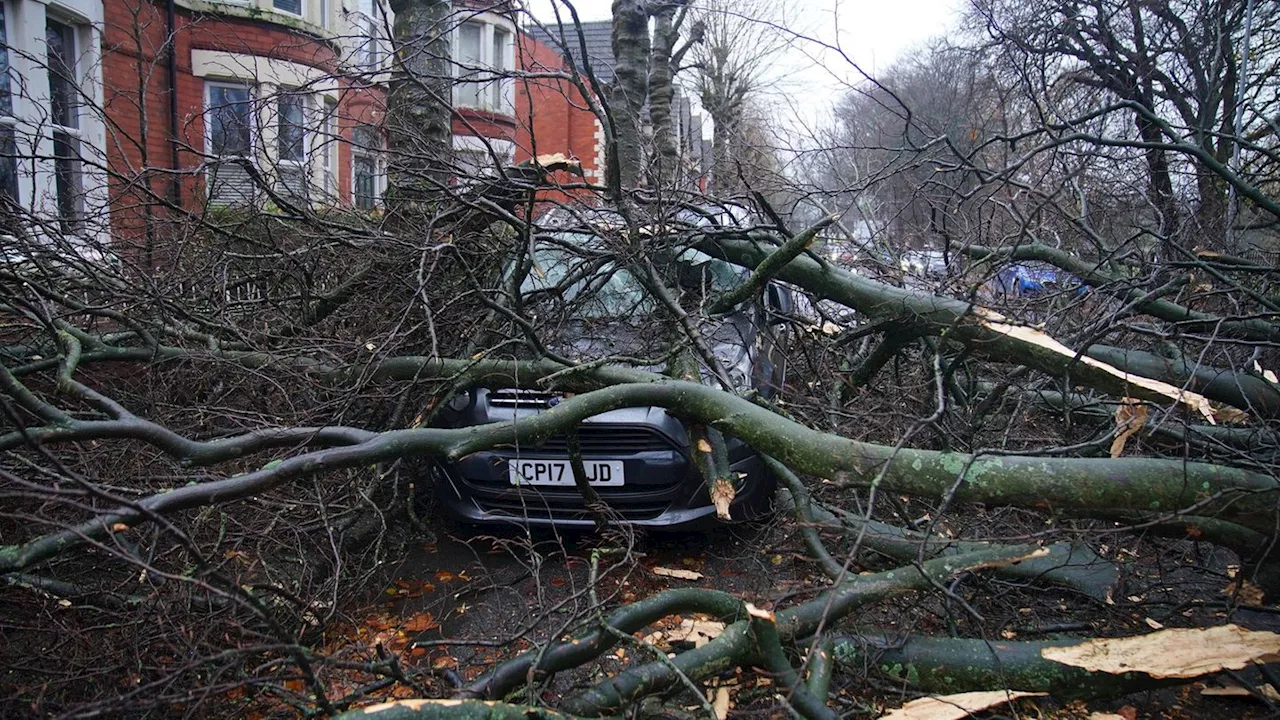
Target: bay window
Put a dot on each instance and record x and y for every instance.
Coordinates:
(291, 144)
(483, 60)
(49, 59)
(230, 119)
(270, 132)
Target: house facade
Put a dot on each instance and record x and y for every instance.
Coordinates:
(562, 117)
(45, 87)
(116, 113)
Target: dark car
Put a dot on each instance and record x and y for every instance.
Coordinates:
(637, 459)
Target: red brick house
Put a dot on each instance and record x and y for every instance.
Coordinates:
(113, 112)
(560, 118)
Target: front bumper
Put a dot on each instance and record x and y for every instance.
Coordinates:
(662, 488)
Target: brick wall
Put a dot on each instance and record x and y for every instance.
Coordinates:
(554, 117)
(136, 96)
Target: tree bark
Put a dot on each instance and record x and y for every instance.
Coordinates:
(954, 665)
(628, 92)
(661, 95)
(420, 104)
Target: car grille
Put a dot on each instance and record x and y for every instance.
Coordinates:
(567, 503)
(631, 502)
(609, 440)
(517, 398)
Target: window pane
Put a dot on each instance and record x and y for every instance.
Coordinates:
(365, 172)
(469, 45)
(365, 138)
(67, 174)
(229, 116)
(62, 85)
(289, 6)
(499, 59)
(292, 128)
(369, 55)
(8, 165)
(6, 100)
(470, 91)
(500, 50)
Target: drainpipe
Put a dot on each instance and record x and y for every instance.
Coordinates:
(176, 188)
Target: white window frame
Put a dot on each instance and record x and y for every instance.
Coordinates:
(308, 100)
(327, 141)
(469, 146)
(9, 121)
(371, 54)
(251, 153)
(254, 131)
(496, 87)
(503, 66)
(378, 156)
(26, 40)
(75, 32)
(302, 9)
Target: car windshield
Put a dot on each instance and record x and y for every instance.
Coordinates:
(596, 288)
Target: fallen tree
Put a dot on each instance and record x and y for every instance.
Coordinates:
(215, 458)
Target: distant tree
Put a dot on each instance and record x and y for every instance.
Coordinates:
(1178, 65)
(740, 40)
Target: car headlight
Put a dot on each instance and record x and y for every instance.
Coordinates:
(736, 360)
(461, 401)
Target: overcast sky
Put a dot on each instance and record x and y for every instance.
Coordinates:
(871, 33)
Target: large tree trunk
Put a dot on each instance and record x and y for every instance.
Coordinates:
(661, 95)
(630, 89)
(420, 104)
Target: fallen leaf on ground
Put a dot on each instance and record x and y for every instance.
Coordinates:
(698, 632)
(421, 623)
(444, 576)
(1175, 653)
(722, 703)
(1105, 716)
(1131, 415)
(954, 707)
(1245, 592)
(677, 573)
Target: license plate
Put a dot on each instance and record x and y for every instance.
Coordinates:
(559, 473)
